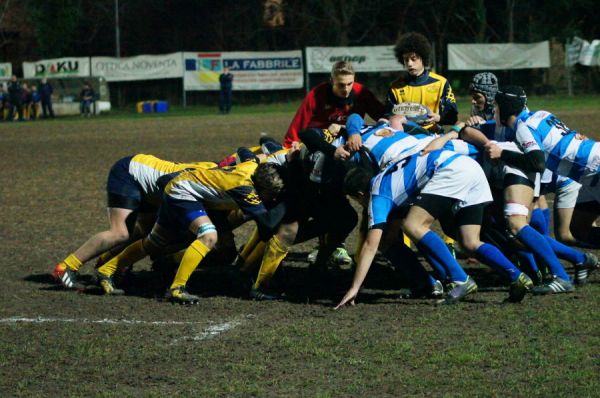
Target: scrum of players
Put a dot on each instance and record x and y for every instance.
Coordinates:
(482, 179)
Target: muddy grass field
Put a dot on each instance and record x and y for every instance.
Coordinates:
(61, 343)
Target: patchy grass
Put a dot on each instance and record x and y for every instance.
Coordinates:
(52, 192)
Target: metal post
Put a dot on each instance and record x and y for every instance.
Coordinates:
(117, 33)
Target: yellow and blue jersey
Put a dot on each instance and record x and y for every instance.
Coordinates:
(226, 188)
(429, 89)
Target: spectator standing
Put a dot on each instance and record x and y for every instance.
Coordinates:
(15, 94)
(86, 98)
(25, 100)
(3, 102)
(34, 107)
(46, 91)
(226, 82)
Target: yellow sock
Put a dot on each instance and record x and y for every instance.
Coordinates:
(191, 258)
(448, 240)
(407, 240)
(132, 253)
(254, 257)
(274, 254)
(105, 257)
(72, 262)
(250, 244)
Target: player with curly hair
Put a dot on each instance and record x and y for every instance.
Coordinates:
(421, 85)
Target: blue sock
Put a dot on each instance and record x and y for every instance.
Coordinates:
(527, 259)
(538, 245)
(406, 261)
(546, 213)
(433, 245)
(565, 252)
(492, 256)
(438, 269)
(539, 222)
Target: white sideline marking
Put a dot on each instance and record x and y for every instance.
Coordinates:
(213, 330)
(16, 319)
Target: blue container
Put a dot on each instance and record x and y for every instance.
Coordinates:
(147, 107)
(161, 106)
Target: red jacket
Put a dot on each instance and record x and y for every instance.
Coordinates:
(320, 108)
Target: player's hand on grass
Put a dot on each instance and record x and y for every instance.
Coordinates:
(348, 298)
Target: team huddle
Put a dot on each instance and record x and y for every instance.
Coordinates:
(482, 179)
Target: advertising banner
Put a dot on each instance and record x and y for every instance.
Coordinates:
(141, 67)
(498, 56)
(363, 59)
(590, 53)
(272, 70)
(57, 68)
(5, 70)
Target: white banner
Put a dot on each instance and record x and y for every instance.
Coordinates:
(251, 70)
(5, 70)
(590, 53)
(573, 50)
(363, 59)
(57, 68)
(141, 67)
(498, 56)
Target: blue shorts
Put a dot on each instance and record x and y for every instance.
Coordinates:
(177, 215)
(122, 190)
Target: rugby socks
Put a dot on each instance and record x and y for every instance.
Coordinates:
(191, 258)
(131, 254)
(105, 257)
(252, 252)
(546, 213)
(539, 222)
(72, 262)
(492, 256)
(406, 261)
(274, 253)
(527, 260)
(565, 252)
(537, 244)
(434, 246)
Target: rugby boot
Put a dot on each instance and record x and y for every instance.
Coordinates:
(518, 289)
(108, 286)
(340, 257)
(556, 285)
(66, 277)
(261, 295)
(460, 291)
(180, 296)
(583, 270)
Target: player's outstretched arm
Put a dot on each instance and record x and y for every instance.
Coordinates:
(365, 259)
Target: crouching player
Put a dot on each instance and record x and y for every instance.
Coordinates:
(444, 182)
(184, 210)
(133, 195)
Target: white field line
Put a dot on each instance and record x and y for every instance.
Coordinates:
(208, 332)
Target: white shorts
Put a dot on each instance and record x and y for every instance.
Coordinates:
(566, 196)
(464, 180)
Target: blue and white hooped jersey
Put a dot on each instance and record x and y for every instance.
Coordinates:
(567, 153)
(403, 180)
(385, 144)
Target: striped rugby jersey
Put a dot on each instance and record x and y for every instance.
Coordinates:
(403, 180)
(567, 153)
